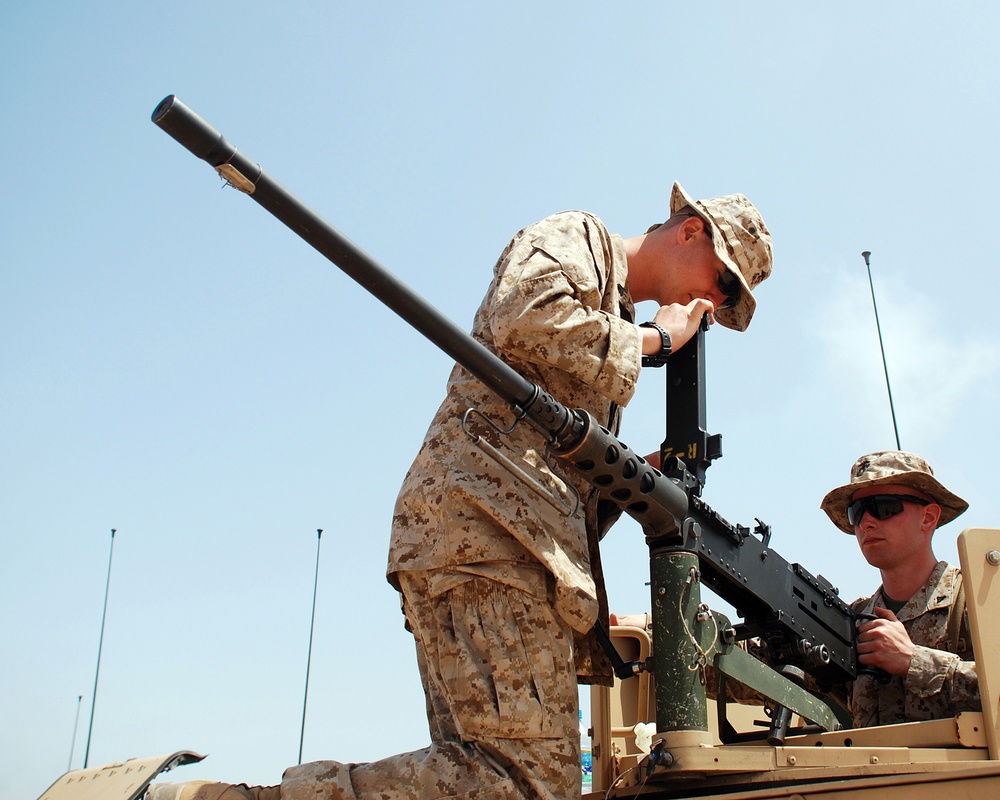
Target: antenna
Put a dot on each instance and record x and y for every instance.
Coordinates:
(885, 367)
(72, 746)
(312, 624)
(100, 645)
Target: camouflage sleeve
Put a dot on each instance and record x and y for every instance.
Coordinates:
(549, 306)
(942, 683)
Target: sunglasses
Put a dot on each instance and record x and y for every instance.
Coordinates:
(731, 287)
(881, 506)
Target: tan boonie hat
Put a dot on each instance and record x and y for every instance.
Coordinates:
(741, 241)
(891, 467)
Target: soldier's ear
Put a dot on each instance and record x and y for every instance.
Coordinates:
(689, 229)
(931, 516)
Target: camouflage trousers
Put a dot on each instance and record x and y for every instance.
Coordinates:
(497, 668)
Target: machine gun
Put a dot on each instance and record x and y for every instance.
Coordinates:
(799, 617)
(800, 620)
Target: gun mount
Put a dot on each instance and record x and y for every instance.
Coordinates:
(799, 616)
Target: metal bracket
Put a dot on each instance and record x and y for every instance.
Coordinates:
(518, 472)
(233, 177)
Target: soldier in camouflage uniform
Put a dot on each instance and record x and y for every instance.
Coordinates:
(500, 588)
(919, 630)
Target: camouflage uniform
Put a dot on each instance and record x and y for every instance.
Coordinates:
(499, 588)
(941, 680)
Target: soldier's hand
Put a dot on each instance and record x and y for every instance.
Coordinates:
(682, 321)
(884, 643)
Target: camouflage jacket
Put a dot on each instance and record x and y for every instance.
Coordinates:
(941, 680)
(559, 312)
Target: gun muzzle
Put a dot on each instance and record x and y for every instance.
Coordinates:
(192, 131)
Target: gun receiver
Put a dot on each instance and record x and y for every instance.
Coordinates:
(800, 616)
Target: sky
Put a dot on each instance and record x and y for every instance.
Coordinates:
(178, 366)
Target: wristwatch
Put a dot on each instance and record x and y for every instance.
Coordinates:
(657, 359)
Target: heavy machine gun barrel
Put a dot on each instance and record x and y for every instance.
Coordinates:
(204, 141)
(573, 434)
(782, 603)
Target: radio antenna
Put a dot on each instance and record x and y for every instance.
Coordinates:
(312, 625)
(100, 646)
(866, 255)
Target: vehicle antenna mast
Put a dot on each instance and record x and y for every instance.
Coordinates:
(866, 255)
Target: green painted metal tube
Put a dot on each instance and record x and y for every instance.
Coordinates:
(679, 641)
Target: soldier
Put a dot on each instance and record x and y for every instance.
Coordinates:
(918, 629)
(500, 588)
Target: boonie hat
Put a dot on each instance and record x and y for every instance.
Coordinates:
(742, 242)
(897, 468)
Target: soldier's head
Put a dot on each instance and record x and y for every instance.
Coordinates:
(883, 484)
(731, 247)
(892, 506)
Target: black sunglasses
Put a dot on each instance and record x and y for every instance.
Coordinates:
(731, 287)
(881, 506)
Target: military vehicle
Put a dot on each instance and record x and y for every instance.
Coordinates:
(660, 689)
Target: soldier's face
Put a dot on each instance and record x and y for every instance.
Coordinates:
(701, 276)
(890, 542)
(682, 266)
(706, 279)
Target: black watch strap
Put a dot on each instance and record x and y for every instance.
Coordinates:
(657, 359)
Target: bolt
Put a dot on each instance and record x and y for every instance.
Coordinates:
(874, 759)
(791, 761)
(993, 558)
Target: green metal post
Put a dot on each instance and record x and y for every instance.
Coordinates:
(681, 700)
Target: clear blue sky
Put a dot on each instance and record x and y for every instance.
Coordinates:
(177, 365)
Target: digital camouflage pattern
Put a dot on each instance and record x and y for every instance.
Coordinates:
(497, 665)
(499, 588)
(742, 242)
(896, 468)
(558, 311)
(941, 680)
(211, 790)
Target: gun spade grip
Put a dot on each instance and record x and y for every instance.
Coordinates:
(190, 130)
